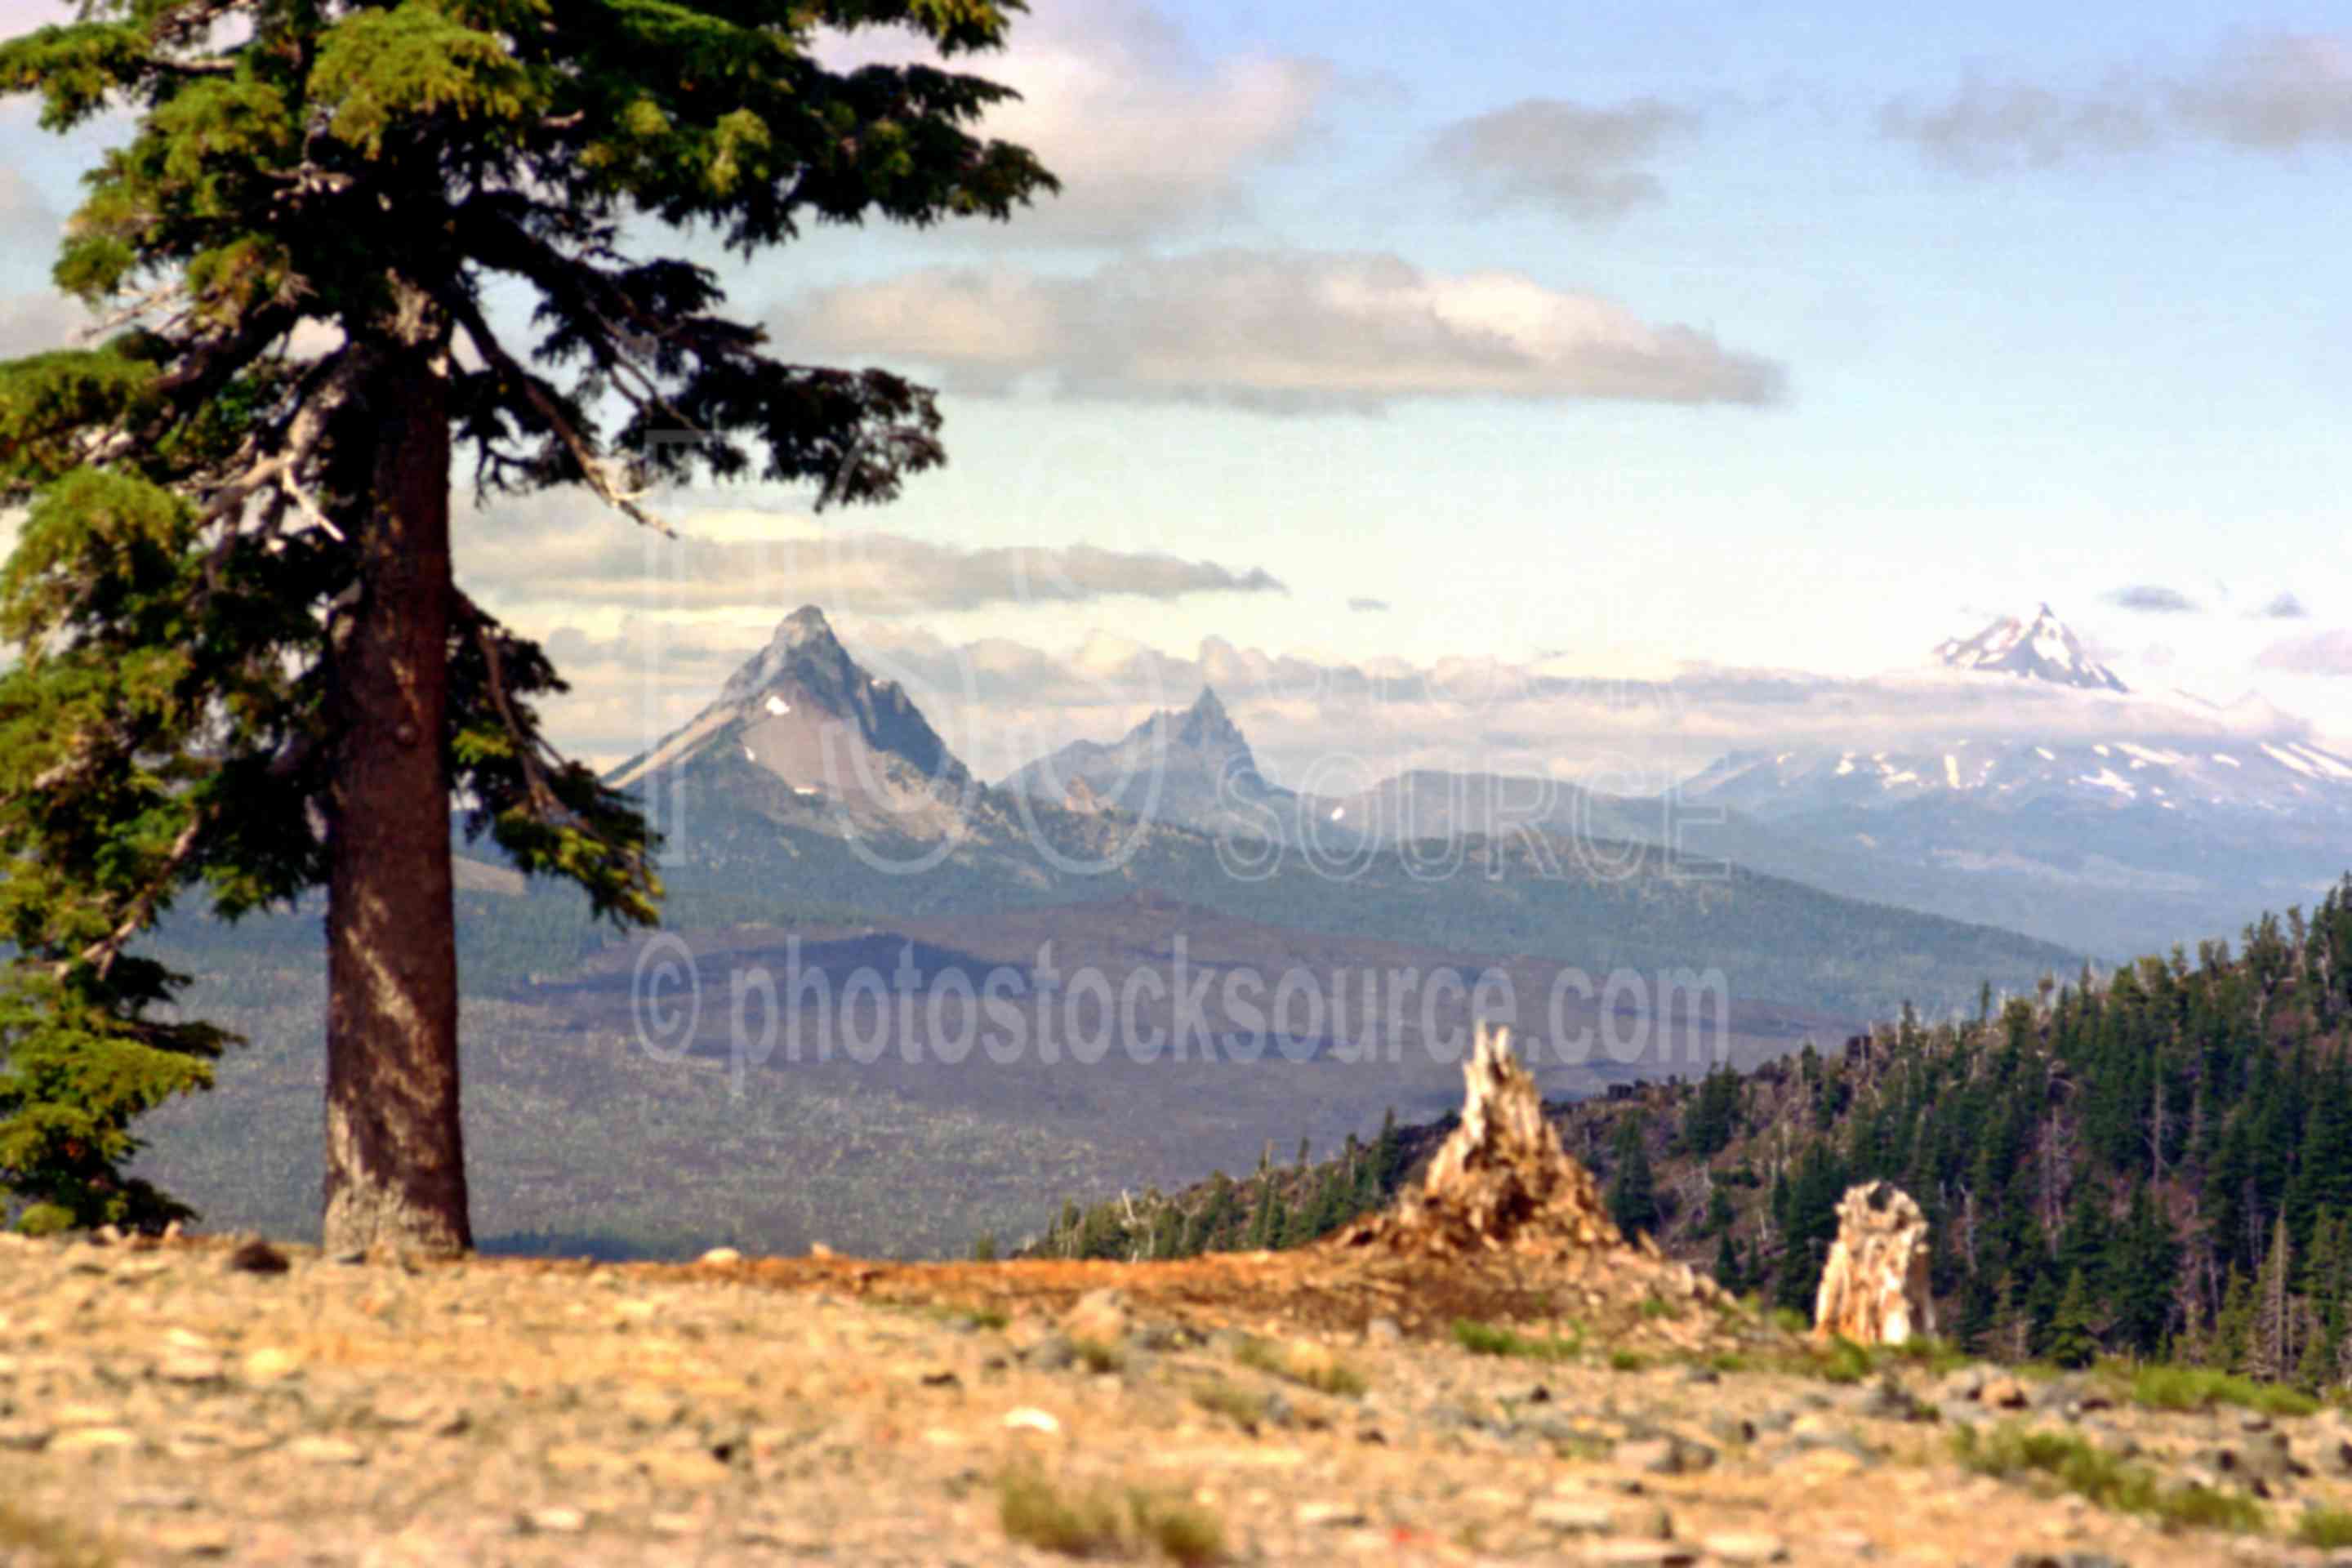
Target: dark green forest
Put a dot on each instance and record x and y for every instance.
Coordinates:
(2156, 1162)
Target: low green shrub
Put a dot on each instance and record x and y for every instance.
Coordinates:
(2329, 1529)
(1102, 1521)
(1492, 1339)
(2165, 1387)
(2076, 1465)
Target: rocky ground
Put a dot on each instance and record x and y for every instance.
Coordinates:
(162, 1403)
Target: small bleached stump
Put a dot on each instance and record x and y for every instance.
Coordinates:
(1874, 1285)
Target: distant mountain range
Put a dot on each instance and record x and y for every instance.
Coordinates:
(807, 779)
(2117, 846)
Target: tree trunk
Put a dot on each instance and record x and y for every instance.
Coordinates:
(395, 1158)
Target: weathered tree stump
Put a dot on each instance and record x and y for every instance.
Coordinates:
(1874, 1285)
(1501, 1182)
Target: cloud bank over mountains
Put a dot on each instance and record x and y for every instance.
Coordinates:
(1332, 727)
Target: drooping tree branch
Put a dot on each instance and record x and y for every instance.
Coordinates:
(596, 470)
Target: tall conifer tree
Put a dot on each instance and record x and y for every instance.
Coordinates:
(242, 661)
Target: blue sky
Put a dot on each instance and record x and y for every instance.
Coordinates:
(1903, 319)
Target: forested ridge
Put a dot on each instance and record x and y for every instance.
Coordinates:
(2156, 1162)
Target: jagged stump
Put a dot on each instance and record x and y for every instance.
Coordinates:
(1501, 1183)
(1874, 1285)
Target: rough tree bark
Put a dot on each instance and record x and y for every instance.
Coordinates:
(395, 1158)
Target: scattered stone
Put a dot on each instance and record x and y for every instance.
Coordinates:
(1029, 1418)
(652, 1409)
(191, 1368)
(271, 1363)
(1666, 1456)
(25, 1436)
(1733, 1431)
(2005, 1392)
(1054, 1352)
(1639, 1554)
(1384, 1331)
(1098, 1315)
(257, 1256)
(94, 1441)
(2261, 1464)
(1874, 1287)
(327, 1451)
(193, 1538)
(1329, 1515)
(1573, 1516)
(719, 1257)
(1743, 1547)
(555, 1522)
(586, 1459)
(683, 1468)
(407, 1412)
(1889, 1400)
(1964, 1384)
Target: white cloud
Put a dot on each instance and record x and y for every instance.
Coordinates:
(2321, 653)
(1277, 331)
(559, 549)
(2153, 598)
(2281, 90)
(36, 323)
(23, 209)
(2268, 92)
(1146, 138)
(1545, 151)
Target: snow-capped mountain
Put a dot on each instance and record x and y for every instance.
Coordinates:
(2281, 777)
(2042, 649)
(820, 733)
(2118, 847)
(1192, 766)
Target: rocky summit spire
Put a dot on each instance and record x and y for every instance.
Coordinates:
(803, 641)
(1206, 724)
(804, 626)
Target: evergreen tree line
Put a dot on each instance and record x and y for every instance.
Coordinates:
(2157, 1165)
(1274, 1208)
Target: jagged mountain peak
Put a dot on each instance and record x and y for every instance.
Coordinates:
(804, 709)
(1206, 724)
(804, 626)
(2044, 648)
(803, 643)
(1191, 765)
